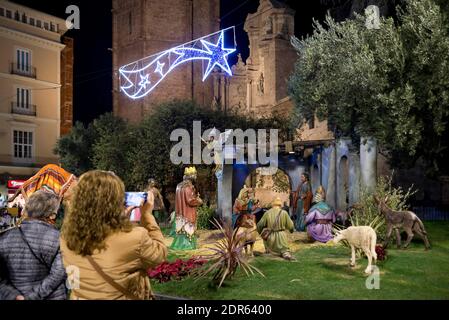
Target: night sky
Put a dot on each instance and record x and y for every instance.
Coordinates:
(93, 59)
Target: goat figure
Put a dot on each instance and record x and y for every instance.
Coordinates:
(362, 237)
(397, 220)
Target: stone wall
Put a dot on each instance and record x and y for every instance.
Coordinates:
(317, 130)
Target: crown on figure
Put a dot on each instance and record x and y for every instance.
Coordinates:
(190, 171)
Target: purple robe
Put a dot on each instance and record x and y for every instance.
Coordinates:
(318, 231)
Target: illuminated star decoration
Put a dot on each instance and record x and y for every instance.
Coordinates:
(159, 68)
(144, 81)
(135, 77)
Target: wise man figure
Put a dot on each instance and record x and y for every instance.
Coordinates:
(186, 202)
(319, 219)
(302, 199)
(159, 207)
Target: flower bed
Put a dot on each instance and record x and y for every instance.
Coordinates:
(177, 270)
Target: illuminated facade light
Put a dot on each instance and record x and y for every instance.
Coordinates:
(139, 78)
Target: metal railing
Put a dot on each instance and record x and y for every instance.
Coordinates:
(431, 213)
(23, 70)
(25, 109)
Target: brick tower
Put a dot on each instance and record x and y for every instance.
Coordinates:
(144, 27)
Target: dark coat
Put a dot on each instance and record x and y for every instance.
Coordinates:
(22, 273)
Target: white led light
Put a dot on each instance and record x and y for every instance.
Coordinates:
(139, 78)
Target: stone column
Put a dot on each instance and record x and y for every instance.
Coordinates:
(224, 194)
(354, 178)
(342, 167)
(249, 97)
(368, 163)
(331, 182)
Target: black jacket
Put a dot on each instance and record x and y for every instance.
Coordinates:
(35, 276)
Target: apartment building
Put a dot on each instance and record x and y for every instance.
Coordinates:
(31, 47)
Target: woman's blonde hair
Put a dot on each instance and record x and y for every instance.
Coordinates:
(95, 211)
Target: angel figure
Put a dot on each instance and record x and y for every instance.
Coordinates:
(214, 144)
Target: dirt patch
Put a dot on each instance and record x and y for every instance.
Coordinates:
(207, 239)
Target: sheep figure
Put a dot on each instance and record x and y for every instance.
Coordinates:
(363, 237)
(247, 235)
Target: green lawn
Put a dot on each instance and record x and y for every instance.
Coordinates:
(323, 273)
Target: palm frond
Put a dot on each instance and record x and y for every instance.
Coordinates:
(227, 257)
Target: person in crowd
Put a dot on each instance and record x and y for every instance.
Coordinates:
(278, 222)
(159, 207)
(320, 218)
(302, 199)
(111, 255)
(31, 267)
(3, 201)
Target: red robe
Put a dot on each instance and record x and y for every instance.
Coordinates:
(186, 201)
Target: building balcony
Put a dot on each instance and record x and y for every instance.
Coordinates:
(27, 110)
(23, 70)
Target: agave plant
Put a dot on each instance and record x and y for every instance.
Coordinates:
(227, 257)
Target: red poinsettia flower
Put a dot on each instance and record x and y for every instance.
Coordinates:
(176, 270)
(381, 252)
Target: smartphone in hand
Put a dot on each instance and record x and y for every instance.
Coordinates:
(134, 199)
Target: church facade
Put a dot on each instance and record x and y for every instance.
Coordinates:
(259, 86)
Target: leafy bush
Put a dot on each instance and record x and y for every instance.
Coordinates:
(227, 258)
(204, 218)
(366, 212)
(138, 151)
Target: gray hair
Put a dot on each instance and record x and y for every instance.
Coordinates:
(42, 204)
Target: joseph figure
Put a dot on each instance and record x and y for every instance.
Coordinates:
(302, 200)
(186, 202)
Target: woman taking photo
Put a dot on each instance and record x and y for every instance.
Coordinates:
(100, 245)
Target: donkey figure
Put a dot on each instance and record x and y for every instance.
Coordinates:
(396, 220)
